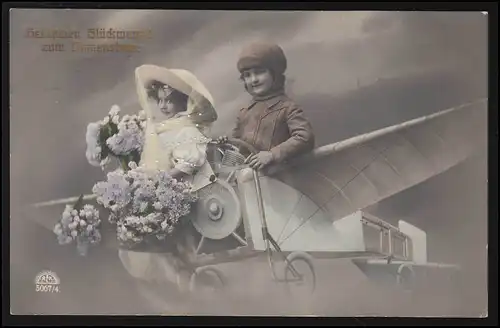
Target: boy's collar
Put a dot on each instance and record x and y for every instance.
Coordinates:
(270, 101)
(269, 96)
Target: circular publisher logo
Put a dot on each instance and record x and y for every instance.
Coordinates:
(47, 282)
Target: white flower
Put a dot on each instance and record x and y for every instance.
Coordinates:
(105, 120)
(92, 158)
(115, 120)
(114, 111)
(164, 225)
(142, 115)
(58, 229)
(129, 138)
(93, 151)
(68, 230)
(105, 162)
(157, 206)
(115, 191)
(92, 135)
(66, 220)
(132, 165)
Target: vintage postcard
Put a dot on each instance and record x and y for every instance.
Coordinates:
(173, 162)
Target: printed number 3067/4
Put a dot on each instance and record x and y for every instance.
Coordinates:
(47, 288)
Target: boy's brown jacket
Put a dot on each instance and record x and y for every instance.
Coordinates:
(277, 125)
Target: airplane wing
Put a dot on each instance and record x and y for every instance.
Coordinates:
(346, 176)
(341, 178)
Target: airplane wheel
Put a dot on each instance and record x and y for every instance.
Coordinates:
(406, 277)
(305, 283)
(207, 280)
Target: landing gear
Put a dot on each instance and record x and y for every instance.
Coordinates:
(405, 277)
(300, 276)
(207, 280)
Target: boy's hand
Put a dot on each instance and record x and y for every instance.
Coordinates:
(260, 160)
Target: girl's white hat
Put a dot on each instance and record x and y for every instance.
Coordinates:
(200, 103)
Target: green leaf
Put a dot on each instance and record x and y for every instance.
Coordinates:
(123, 162)
(79, 203)
(113, 128)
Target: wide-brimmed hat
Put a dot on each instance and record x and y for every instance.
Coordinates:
(200, 100)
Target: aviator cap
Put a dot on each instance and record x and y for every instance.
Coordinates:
(263, 54)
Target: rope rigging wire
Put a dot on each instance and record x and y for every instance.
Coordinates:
(339, 191)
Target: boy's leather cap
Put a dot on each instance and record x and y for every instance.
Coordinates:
(263, 54)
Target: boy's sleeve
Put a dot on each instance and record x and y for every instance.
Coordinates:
(236, 132)
(301, 132)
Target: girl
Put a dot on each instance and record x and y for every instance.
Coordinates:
(179, 113)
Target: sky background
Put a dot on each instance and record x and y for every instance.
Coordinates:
(352, 72)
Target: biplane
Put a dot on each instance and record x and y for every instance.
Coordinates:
(312, 206)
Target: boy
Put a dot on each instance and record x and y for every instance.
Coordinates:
(272, 123)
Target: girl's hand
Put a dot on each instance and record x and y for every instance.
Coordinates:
(222, 139)
(177, 174)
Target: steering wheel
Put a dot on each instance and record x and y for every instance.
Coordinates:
(242, 144)
(232, 153)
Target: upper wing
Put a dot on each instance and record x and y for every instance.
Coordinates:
(352, 174)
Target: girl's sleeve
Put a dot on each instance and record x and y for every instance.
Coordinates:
(190, 155)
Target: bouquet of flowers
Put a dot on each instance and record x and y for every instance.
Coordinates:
(146, 207)
(79, 224)
(114, 137)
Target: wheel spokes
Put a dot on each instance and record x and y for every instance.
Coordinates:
(200, 245)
